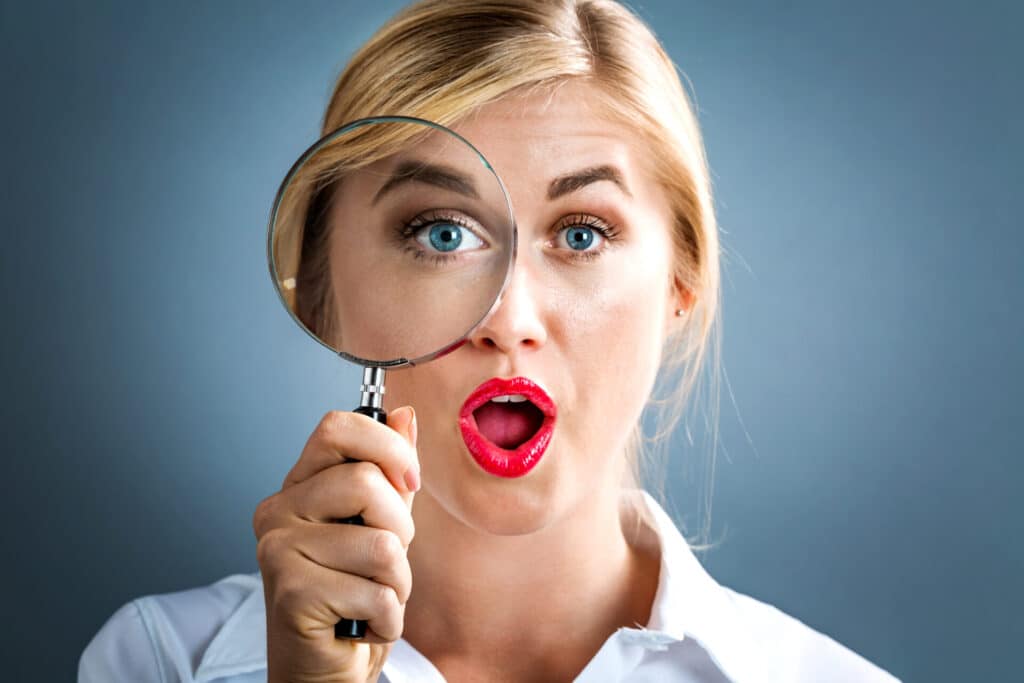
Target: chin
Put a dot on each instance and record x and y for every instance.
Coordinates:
(503, 506)
(507, 514)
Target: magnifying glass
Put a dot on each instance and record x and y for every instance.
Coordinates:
(390, 240)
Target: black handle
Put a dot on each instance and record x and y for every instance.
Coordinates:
(352, 629)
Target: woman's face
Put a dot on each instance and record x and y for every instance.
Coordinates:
(585, 314)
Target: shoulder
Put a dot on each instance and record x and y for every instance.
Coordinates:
(787, 649)
(163, 637)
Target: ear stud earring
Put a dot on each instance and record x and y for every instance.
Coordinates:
(680, 312)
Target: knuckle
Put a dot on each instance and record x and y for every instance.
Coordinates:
(262, 515)
(271, 546)
(408, 531)
(391, 625)
(385, 550)
(334, 421)
(383, 598)
(403, 584)
(365, 475)
(288, 595)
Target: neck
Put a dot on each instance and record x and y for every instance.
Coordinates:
(557, 593)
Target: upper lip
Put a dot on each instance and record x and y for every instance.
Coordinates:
(499, 386)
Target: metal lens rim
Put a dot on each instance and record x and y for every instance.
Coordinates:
(326, 140)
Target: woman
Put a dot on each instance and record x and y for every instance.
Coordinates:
(562, 569)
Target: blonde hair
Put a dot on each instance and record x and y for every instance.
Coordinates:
(441, 59)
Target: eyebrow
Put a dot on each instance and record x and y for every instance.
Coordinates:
(438, 175)
(576, 180)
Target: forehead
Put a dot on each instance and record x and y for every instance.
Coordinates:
(532, 137)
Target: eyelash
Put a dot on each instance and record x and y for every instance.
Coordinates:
(407, 234)
(609, 232)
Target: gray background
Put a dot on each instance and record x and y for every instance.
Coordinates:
(865, 160)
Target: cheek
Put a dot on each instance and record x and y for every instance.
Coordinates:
(436, 391)
(420, 387)
(611, 340)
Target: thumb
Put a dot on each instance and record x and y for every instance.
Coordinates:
(403, 421)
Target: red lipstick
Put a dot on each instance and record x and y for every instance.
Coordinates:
(494, 459)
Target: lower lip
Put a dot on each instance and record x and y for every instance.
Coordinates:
(502, 462)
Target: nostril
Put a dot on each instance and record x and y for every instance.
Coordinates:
(491, 342)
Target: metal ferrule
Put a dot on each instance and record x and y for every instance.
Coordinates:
(371, 393)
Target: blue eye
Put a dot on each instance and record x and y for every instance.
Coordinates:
(579, 238)
(584, 237)
(446, 236)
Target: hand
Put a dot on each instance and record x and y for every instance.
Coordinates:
(316, 571)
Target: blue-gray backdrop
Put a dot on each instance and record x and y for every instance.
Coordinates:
(865, 157)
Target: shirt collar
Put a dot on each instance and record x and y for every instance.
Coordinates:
(688, 603)
(240, 645)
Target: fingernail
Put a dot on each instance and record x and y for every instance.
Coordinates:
(412, 475)
(413, 430)
(412, 478)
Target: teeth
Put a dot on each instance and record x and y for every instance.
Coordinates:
(509, 398)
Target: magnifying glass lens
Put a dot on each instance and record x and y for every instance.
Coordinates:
(394, 239)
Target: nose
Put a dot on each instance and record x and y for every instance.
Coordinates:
(515, 325)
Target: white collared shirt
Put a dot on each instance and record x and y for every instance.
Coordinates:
(699, 630)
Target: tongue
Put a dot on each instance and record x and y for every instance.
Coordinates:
(508, 424)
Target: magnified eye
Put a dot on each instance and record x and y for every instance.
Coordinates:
(442, 236)
(447, 236)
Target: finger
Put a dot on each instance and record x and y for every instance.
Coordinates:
(342, 436)
(375, 554)
(340, 492)
(316, 598)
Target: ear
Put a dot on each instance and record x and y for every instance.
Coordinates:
(680, 298)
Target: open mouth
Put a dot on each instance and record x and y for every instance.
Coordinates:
(508, 421)
(507, 425)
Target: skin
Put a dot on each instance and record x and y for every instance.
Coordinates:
(416, 306)
(509, 563)
(537, 564)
